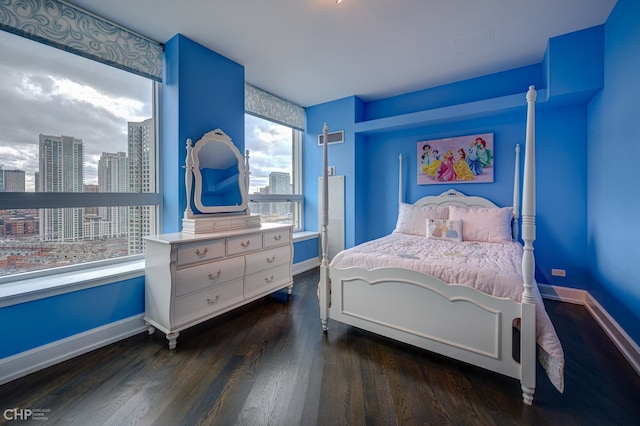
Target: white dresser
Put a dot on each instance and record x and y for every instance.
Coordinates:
(191, 278)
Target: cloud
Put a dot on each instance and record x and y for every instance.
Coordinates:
(48, 91)
(270, 149)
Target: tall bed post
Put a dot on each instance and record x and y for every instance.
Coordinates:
(515, 227)
(528, 329)
(400, 194)
(325, 284)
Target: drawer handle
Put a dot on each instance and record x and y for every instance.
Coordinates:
(245, 244)
(272, 259)
(277, 237)
(214, 300)
(268, 280)
(201, 253)
(216, 276)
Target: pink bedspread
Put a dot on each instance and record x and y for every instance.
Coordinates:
(493, 268)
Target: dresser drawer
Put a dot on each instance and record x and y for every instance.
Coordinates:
(244, 244)
(276, 238)
(246, 221)
(268, 258)
(207, 275)
(203, 303)
(263, 281)
(200, 252)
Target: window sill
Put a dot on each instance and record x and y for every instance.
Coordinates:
(41, 287)
(27, 290)
(304, 235)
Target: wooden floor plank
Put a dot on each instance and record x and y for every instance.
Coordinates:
(270, 363)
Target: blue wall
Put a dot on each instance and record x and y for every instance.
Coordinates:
(305, 250)
(613, 181)
(586, 133)
(588, 194)
(201, 91)
(32, 324)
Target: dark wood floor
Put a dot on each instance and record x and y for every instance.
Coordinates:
(269, 363)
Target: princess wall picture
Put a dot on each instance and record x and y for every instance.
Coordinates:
(463, 159)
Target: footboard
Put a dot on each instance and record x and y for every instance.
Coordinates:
(453, 320)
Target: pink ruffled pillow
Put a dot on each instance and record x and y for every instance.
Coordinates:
(411, 218)
(491, 225)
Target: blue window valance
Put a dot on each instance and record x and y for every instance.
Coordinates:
(72, 29)
(69, 28)
(266, 105)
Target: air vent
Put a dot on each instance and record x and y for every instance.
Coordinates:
(332, 137)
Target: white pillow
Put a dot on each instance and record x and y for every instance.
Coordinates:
(441, 229)
(411, 218)
(484, 224)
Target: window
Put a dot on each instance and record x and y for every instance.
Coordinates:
(77, 159)
(275, 189)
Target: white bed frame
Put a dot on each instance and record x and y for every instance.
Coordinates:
(453, 320)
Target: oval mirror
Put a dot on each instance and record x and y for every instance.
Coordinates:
(218, 171)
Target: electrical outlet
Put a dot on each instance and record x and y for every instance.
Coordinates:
(558, 272)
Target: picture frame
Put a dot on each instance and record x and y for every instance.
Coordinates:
(460, 159)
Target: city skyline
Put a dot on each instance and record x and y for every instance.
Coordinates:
(48, 91)
(45, 90)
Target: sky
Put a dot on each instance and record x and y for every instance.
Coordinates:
(44, 90)
(269, 146)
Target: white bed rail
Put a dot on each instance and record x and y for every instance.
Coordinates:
(527, 306)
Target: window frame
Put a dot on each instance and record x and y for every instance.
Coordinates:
(296, 172)
(39, 200)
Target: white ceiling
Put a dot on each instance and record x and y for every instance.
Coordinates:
(313, 51)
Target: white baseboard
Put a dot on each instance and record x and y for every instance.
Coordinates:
(19, 365)
(305, 265)
(563, 294)
(620, 338)
(27, 362)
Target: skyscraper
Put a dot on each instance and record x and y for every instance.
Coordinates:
(142, 168)
(11, 180)
(61, 161)
(279, 183)
(113, 176)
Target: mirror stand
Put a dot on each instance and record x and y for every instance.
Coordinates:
(216, 184)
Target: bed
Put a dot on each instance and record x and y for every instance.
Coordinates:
(452, 278)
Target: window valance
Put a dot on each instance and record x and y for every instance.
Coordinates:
(271, 107)
(71, 29)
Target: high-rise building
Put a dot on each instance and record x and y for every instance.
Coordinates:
(11, 180)
(93, 211)
(279, 183)
(142, 167)
(61, 161)
(113, 176)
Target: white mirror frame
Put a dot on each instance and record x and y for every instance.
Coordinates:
(193, 166)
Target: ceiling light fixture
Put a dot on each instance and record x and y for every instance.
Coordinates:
(338, 1)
